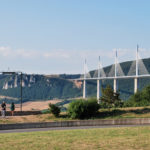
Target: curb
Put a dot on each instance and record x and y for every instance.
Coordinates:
(137, 121)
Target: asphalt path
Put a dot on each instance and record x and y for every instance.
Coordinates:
(66, 128)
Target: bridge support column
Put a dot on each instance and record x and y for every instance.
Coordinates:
(99, 92)
(115, 85)
(84, 88)
(135, 85)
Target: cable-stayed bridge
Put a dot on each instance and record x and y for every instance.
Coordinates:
(136, 71)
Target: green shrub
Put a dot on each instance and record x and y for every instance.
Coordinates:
(55, 110)
(92, 107)
(141, 98)
(82, 109)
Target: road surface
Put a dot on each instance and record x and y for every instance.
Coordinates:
(66, 128)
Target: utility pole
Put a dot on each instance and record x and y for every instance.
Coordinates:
(21, 91)
(84, 81)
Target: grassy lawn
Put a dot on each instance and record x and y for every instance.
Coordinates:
(89, 139)
(139, 112)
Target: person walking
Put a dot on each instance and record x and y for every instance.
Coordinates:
(3, 105)
(12, 108)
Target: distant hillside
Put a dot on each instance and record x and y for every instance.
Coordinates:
(37, 87)
(40, 87)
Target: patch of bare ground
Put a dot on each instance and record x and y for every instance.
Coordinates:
(31, 106)
(78, 84)
(31, 118)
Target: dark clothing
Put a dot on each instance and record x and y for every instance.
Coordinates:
(12, 107)
(3, 105)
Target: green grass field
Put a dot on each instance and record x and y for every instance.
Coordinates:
(127, 138)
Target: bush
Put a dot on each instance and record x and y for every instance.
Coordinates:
(55, 110)
(92, 107)
(105, 105)
(82, 109)
(141, 98)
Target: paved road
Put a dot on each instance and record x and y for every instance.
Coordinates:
(66, 128)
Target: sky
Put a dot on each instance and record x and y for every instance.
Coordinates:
(55, 36)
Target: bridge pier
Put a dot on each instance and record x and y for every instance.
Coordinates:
(116, 71)
(137, 71)
(99, 92)
(84, 88)
(115, 85)
(135, 85)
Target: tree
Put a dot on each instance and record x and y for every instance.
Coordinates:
(55, 110)
(110, 98)
(146, 93)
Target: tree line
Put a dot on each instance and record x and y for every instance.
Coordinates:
(84, 109)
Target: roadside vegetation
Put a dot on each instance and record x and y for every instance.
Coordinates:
(110, 106)
(112, 113)
(82, 109)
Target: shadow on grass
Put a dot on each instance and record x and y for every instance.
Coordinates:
(110, 113)
(141, 111)
(64, 116)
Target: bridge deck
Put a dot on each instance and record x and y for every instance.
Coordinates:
(118, 77)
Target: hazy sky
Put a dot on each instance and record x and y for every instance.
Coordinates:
(54, 36)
